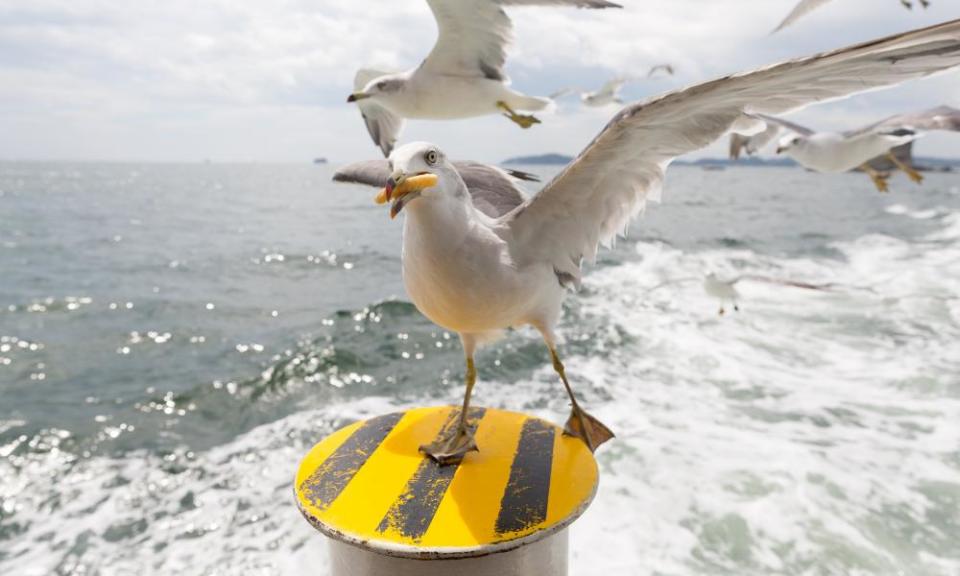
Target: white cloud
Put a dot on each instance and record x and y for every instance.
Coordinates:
(252, 80)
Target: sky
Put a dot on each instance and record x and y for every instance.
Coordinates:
(251, 80)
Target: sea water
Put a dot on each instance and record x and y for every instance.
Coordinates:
(173, 338)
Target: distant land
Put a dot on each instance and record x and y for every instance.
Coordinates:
(923, 163)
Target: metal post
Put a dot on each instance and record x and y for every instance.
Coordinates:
(390, 511)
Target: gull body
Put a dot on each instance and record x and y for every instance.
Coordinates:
(462, 77)
(478, 271)
(844, 151)
(833, 152)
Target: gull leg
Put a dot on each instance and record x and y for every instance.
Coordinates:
(523, 120)
(911, 172)
(460, 442)
(879, 180)
(580, 424)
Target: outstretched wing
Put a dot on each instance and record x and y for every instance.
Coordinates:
(595, 196)
(803, 8)
(611, 86)
(383, 125)
(913, 124)
(473, 35)
(493, 190)
(740, 143)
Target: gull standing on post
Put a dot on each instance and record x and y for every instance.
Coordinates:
(477, 274)
(462, 76)
(845, 151)
(805, 7)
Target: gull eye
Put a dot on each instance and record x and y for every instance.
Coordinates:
(431, 157)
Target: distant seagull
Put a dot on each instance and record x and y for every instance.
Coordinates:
(609, 93)
(462, 76)
(726, 290)
(845, 151)
(476, 274)
(805, 7)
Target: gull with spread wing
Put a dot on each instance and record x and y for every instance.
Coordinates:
(805, 7)
(845, 151)
(462, 77)
(476, 273)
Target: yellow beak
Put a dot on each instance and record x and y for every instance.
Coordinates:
(402, 188)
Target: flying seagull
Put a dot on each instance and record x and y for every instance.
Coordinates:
(477, 274)
(609, 93)
(845, 151)
(726, 290)
(805, 7)
(462, 76)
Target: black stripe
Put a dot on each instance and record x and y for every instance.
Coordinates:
(524, 502)
(412, 512)
(330, 478)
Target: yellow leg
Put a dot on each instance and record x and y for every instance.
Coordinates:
(452, 449)
(580, 424)
(522, 120)
(879, 180)
(911, 172)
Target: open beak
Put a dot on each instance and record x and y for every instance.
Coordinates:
(357, 96)
(402, 189)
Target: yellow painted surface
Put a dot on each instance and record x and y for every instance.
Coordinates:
(469, 504)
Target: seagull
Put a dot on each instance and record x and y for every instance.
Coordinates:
(845, 151)
(609, 93)
(726, 290)
(462, 76)
(805, 7)
(477, 274)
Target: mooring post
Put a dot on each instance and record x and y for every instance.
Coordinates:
(388, 510)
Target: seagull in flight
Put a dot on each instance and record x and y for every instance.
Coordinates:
(477, 273)
(845, 151)
(805, 7)
(609, 93)
(462, 76)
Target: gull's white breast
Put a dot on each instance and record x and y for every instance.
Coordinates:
(458, 273)
(440, 96)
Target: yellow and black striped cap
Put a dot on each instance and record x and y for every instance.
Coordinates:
(367, 484)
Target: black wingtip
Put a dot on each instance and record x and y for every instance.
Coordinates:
(521, 175)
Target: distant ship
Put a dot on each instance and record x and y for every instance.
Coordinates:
(319, 160)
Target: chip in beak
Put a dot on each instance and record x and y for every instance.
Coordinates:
(404, 189)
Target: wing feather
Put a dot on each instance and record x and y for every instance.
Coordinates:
(939, 118)
(802, 8)
(595, 196)
(473, 35)
(383, 125)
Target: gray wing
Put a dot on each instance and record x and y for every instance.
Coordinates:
(594, 198)
(913, 124)
(473, 35)
(785, 124)
(492, 189)
(802, 8)
(383, 125)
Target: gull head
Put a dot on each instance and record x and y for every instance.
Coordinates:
(790, 142)
(418, 170)
(383, 88)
